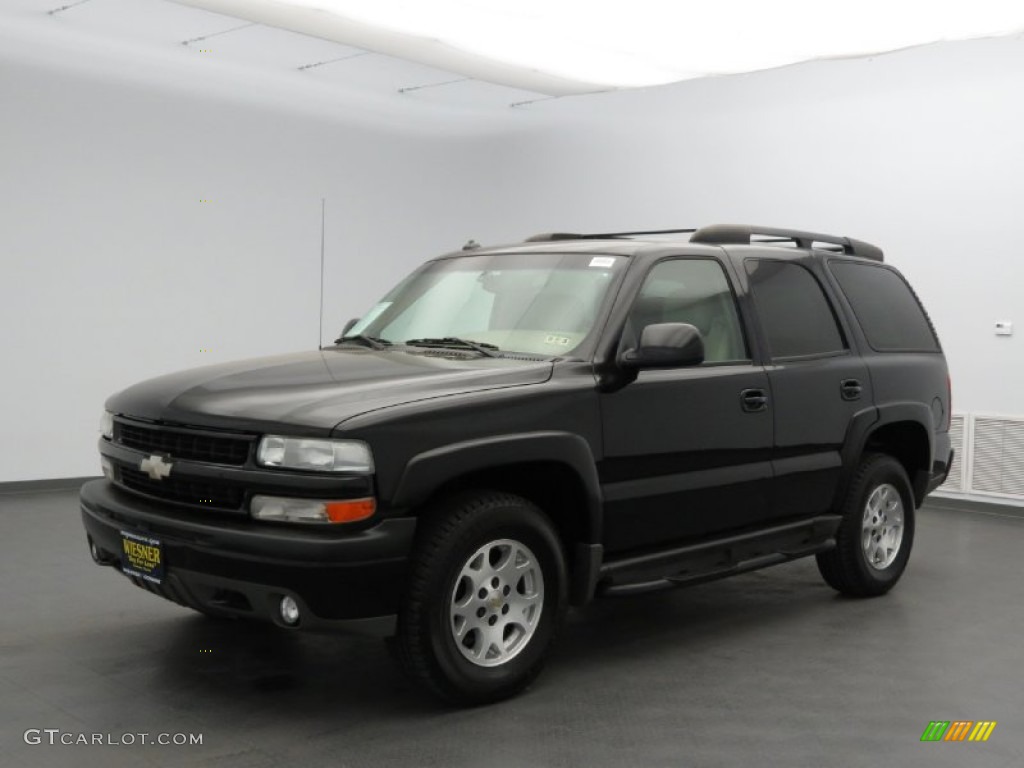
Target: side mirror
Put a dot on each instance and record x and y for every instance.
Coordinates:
(348, 325)
(665, 345)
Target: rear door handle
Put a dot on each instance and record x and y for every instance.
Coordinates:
(754, 400)
(850, 389)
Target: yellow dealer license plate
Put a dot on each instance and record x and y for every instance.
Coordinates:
(142, 556)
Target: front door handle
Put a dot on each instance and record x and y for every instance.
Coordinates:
(754, 400)
(850, 389)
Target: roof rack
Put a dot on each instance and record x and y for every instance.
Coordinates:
(548, 237)
(737, 234)
(740, 234)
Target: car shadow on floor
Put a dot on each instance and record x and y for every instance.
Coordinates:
(237, 663)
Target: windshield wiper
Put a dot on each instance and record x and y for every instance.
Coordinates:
(452, 342)
(370, 341)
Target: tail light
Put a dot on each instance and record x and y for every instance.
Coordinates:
(949, 401)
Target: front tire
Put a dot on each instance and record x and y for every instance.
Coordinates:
(487, 594)
(877, 531)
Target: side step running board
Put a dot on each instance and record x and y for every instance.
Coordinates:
(719, 558)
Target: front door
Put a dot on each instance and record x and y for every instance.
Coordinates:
(687, 451)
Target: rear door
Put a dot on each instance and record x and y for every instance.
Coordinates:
(687, 450)
(818, 383)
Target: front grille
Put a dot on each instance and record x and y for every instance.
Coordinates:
(184, 444)
(201, 493)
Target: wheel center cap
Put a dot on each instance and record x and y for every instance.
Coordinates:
(494, 601)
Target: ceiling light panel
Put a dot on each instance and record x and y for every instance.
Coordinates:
(153, 21)
(274, 48)
(382, 73)
(473, 94)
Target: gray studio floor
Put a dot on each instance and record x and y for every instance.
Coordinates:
(768, 669)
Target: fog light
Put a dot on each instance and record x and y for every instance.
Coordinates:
(98, 555)
(107, 467)
(289, 611)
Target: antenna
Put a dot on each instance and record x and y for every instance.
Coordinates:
(320, 327)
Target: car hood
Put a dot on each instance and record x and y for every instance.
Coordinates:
(314, 391)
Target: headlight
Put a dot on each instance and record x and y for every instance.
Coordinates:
(317, 455)
(107, 425)
(311, 510)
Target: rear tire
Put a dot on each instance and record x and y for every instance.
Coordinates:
(876, 534)
(487, 593)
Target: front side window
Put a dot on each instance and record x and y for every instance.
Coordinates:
(693, 291)
(538, 303)
(796, 317)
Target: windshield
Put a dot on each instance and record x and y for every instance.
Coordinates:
(538, 303)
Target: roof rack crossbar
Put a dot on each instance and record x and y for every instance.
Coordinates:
(551, 236)
(741, 234)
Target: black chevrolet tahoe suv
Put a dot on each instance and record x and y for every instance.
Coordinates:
(518, 429)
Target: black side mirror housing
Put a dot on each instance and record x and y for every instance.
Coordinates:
(665, 345)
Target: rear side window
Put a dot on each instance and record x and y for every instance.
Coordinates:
(797, 319)
(886, 308)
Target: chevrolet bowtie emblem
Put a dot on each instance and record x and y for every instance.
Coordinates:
(156, 467)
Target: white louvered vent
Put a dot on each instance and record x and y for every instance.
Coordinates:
(998, 461)
(955, 481)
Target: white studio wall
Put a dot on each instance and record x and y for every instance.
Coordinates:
(918, 151)
(149, 227)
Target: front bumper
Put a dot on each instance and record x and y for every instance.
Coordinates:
(347, 580)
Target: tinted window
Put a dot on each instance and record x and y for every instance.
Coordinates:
(796, 317)
(885, 306)
(693, 291)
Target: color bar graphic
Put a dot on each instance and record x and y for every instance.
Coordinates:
(958, 730)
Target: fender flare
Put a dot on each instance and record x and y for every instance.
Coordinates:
(867, 422)
(426, 472)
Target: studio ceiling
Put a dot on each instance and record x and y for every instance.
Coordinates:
(565, 47)
(477, 57)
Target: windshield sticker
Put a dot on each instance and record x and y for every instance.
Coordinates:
(562, 341)
(602, 261)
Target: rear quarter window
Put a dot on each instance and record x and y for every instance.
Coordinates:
(888, 311)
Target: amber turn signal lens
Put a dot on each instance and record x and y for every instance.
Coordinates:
(350, 511)
(311, 510)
